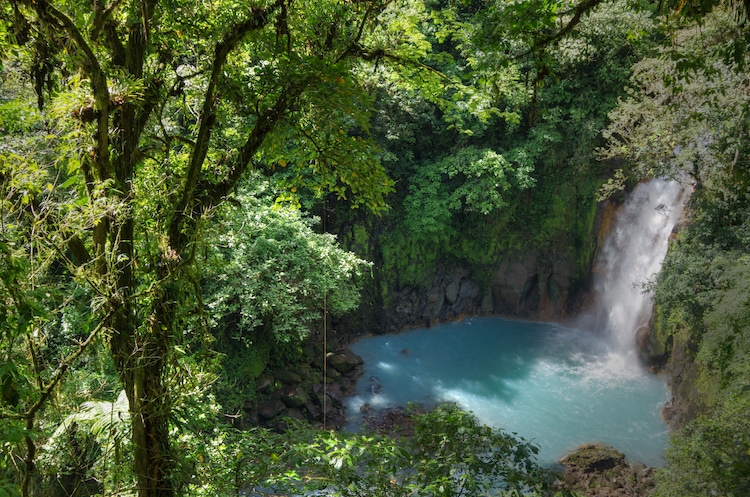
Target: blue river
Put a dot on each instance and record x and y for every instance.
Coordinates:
(556, 386)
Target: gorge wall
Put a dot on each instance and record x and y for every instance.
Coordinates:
(546, 281)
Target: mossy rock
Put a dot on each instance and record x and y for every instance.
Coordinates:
(594, 457)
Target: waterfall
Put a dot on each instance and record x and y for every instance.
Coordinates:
(563, 386)
(631, 256)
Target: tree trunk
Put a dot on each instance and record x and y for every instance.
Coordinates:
(150, 420)
(141, 356)
(141, 352)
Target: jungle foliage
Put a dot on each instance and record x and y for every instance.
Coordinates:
(526, 173)
(447, 454)
(159, 160)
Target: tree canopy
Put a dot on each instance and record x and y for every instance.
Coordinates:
(140, 140)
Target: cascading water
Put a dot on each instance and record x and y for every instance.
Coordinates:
(631, 256)
(561, 386)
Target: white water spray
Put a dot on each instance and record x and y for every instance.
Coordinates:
(631, 256)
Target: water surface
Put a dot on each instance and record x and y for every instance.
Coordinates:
(557, 386)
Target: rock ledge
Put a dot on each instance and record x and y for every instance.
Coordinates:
(600, 470)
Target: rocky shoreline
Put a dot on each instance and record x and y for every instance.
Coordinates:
(312, 390)
(599, 470)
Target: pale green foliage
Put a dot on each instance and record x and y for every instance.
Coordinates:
(93, 439)
(274, 272)
(612, 186)
(711, 456)
(725, 346)
(685, 111)
(107, 421)
(487, 177)
(609, 28)
(18, 116)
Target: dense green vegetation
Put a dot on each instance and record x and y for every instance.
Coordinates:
(161, 165)
(689, 119)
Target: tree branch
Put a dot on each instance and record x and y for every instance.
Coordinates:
(257, 20)
(354, 45)
(578, 12)
(63, 368)
(103, 23)
(212, 194)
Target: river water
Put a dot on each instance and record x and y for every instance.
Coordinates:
(558, 386)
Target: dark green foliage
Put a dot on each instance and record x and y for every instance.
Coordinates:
(725, 346)
(513, 183)
(448, 455)
(684, 288)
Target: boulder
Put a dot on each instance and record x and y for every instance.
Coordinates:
(293, 396)
(598, 470)
(594, 457)
(469, 290)
(344, 361)
(270, 408)
(451, 292)
(286, 376)
(263, 383)
(313, 412)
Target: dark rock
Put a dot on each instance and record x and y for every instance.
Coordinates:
(451, 292)
(286, 376)
(405, 307)
(469, 290)
(293, 396)
(269, 409)
(334, 401)
(295, 413)
(344, 361)
(332, 374)
(313, 412)
(250, 418)
(263, 383)
(250, 406)
(652, 353)
(594, 457)
(488, 303)
(435, 295)
(432, 304)
(303, 372)
(598, 470)
(336, 419)
(275, 394)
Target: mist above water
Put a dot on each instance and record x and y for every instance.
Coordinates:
(559, 386)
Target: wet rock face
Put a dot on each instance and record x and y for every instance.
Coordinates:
(527, 285)
(599, 470)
